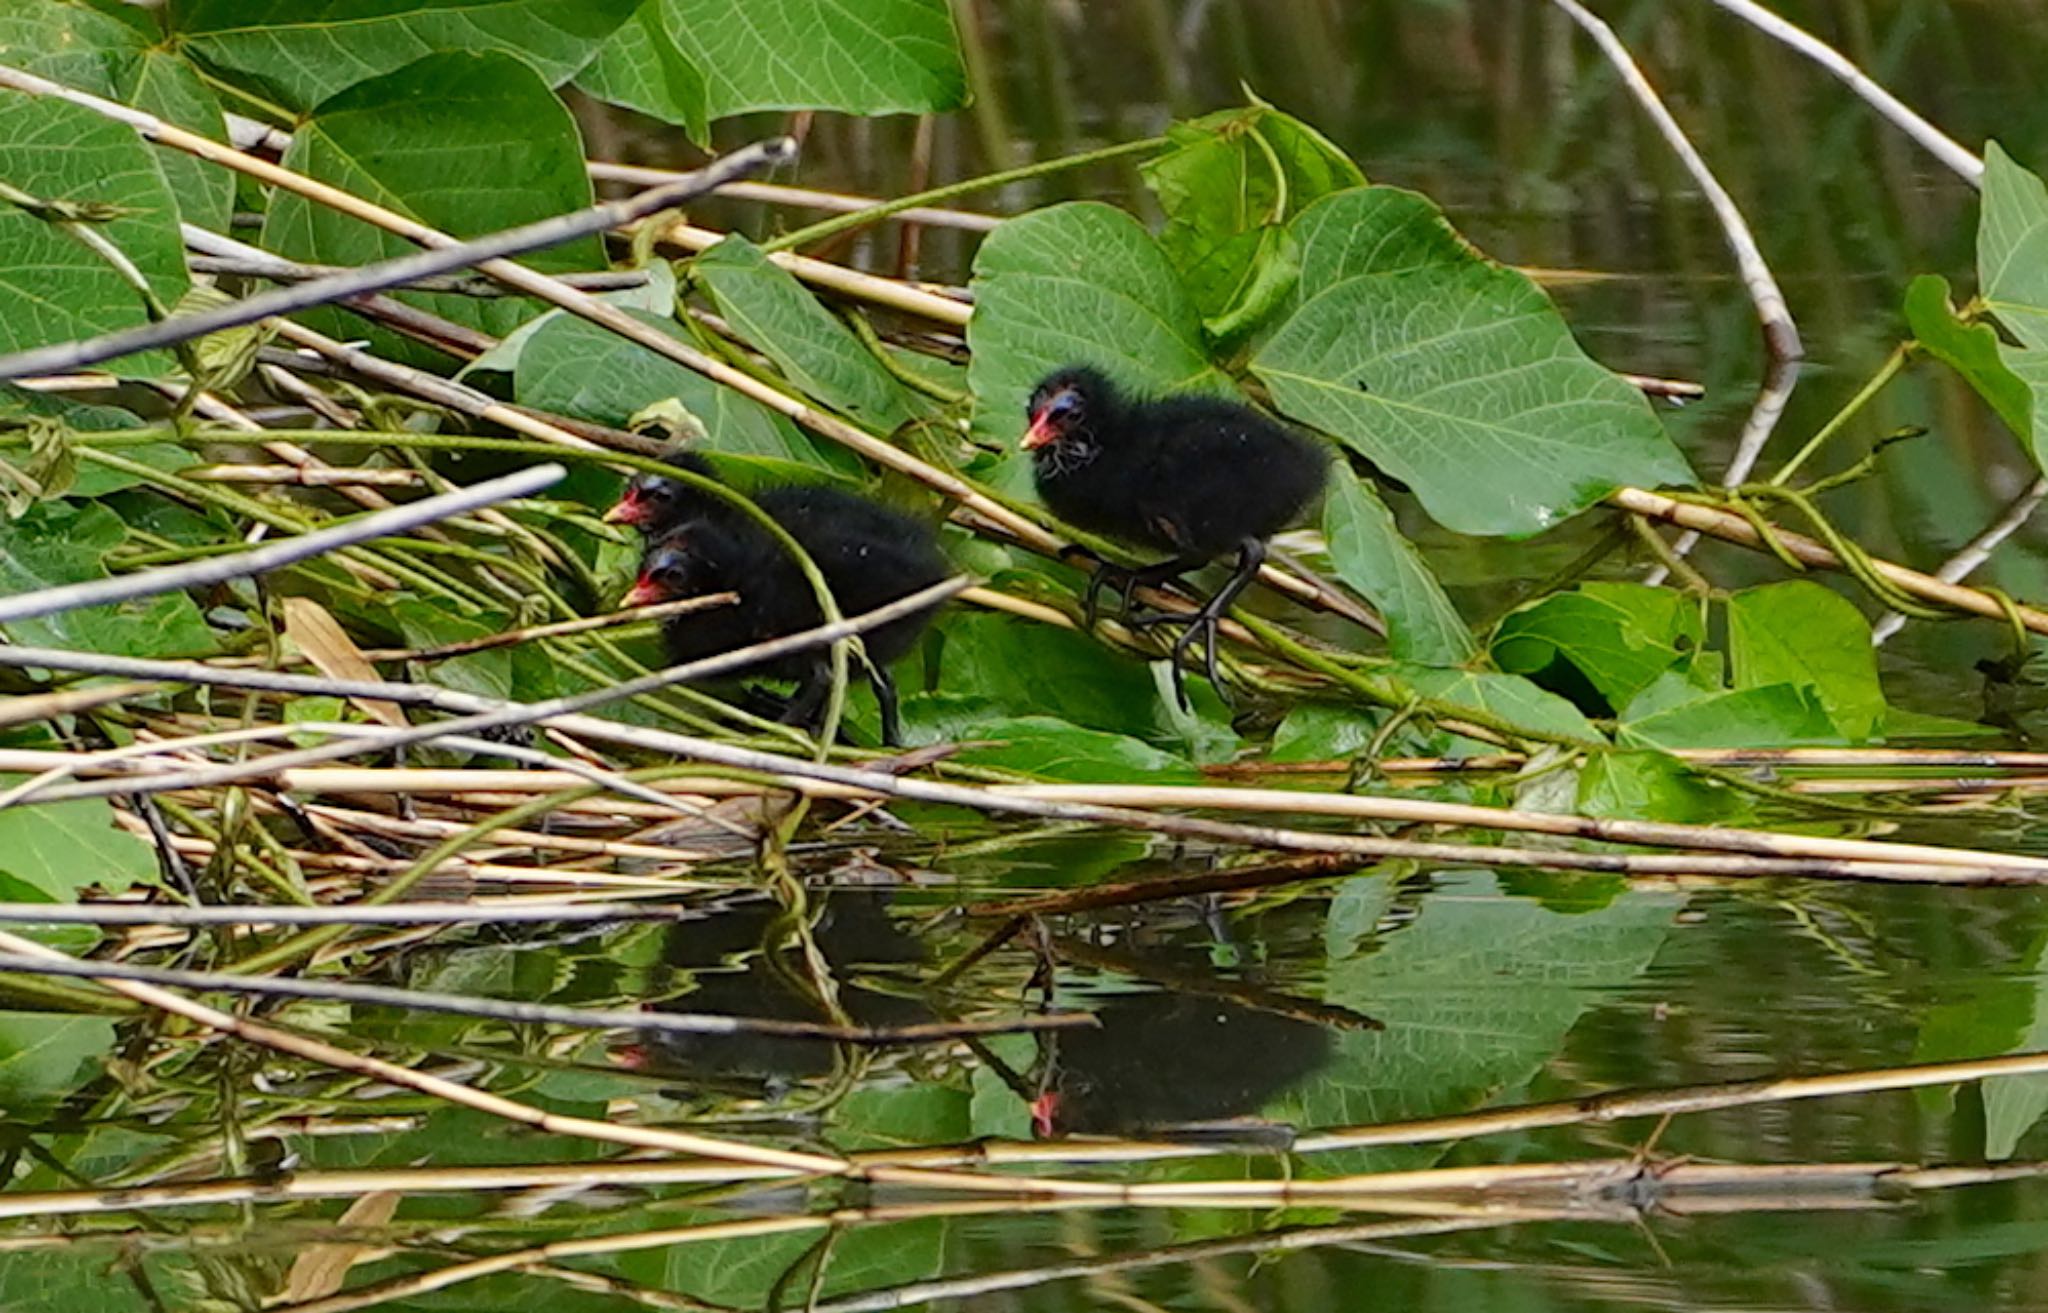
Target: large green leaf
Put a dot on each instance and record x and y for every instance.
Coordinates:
(860, 56)
(770, 309)
(1508, 696)
(1078, 284)
(1475, 995)
(1321, 731)
(1026, 669)
(1800, 632)
(2012, 276)
(468, 143)
(61, 848)
(656, 296)
(643, 68)
(428, 624)
(1053, 749)
(2012, 1104)
(1654, 786)
(53, 288)
(1453, 373)
(573, 367)
(1972, 350)
(2012, 247)
(1617, 637)
(747, 1271)
(300, 52)
(1229, 183)
(49, 1281)
(1370, 554)
(90, 51)
(62, 543)
(1673, 714)
(44, 1057)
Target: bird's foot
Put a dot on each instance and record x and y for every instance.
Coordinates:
(1201, 625)
(1127, 582)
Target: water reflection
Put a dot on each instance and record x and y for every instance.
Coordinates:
(1177, 1065)
(737, 967)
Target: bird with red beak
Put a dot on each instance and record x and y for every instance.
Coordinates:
(1198, 476)
(868, 554)
(656, 503)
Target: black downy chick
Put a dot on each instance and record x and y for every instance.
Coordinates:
(655, 503)
(868, 554)
(1196, 476)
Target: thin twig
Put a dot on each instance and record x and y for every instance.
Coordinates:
(1781, 376)
(1889, 107)
(357, 476)
(773, 193)
(170, 914)
(548, 1014)
(1974, 553)
(499, 715)
(1781, 336)
(403, 269)
(211, 570)
(282, 270)
(1421, 811)
(459, 397)
(1733, 528)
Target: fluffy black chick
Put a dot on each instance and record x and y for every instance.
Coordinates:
(1196, 476)
(868, 554)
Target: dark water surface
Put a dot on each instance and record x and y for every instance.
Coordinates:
(1362, 1001)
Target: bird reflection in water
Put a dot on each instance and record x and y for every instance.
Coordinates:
(736, 976)
(1192, 1055)
(1177, 1065)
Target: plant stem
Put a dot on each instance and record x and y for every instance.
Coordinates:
(861, 218)
(1893, 363)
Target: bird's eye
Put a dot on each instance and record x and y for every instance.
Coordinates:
(1064, 406)
(659, 492)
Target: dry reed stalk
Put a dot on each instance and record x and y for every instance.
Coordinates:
(1410, 811)
(1786, 758)
(772, 193)
(1730, 527)
(328, 476)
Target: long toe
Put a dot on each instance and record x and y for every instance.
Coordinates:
(1097, 581)
(1209, 633)
(1204, 630)
(1127, 592)
(1153, 619)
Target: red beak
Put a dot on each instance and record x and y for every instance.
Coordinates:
(630, 510)
(1045, 1111)
(1040, 433)
(644, 592)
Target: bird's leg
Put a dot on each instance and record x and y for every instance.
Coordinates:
(1128, 582)
(1207, 620)
(885, 698)
(808, 701)
(1081, 558)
